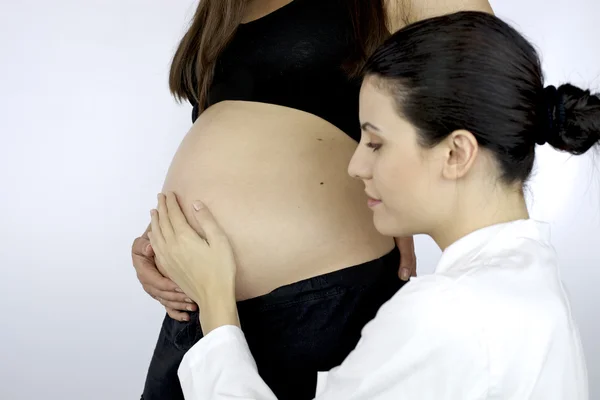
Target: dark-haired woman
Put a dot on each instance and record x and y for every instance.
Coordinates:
(438, 156)
(276, 123)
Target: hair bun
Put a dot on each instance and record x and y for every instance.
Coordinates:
(573, 119)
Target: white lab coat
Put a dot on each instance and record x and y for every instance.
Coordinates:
(492, 322)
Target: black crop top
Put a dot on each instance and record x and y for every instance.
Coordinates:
(293, 57)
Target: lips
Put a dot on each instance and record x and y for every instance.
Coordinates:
(372, 202)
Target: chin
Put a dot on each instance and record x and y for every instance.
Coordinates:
(388, 226)
(385, 225)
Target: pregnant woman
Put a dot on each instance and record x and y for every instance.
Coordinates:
(276, 123)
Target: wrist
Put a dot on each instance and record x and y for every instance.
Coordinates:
(216, 310)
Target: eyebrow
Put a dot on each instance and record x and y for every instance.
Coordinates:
(368, 126)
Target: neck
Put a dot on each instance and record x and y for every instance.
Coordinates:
(478, 211)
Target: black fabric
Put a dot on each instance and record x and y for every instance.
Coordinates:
(293, 57)
(293, 332)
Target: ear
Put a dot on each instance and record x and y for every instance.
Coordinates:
(462, 150)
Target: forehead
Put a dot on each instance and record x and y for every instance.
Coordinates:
(375, 100)
(378, 107)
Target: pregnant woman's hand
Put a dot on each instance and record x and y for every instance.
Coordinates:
(155, 284)
(408, 259)
(202, 265)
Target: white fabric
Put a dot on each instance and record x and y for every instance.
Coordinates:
(492, 322)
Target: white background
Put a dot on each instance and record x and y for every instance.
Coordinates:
(88, 129)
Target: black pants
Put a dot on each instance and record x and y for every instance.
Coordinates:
(293, 332)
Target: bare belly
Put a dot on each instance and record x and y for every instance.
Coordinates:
(276, 180)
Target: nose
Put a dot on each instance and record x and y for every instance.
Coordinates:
(359, 167)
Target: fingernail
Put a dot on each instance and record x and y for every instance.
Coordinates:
(185, 319)
(148, 248)
(198, 205)
(404, 274)
(189, 300)
(190, 308)
(178, 290)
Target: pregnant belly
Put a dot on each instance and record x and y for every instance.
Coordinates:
(275, 178)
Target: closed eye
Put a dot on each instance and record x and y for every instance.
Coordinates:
(374, 146)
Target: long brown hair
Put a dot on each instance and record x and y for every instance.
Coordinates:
(215, 23)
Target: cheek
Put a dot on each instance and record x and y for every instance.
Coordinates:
(396, 178)
(391, 182)
(404, 185)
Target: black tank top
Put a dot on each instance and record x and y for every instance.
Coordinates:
(293, 57)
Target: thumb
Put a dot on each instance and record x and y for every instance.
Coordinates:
(142, 247)
(404, 273)
(206, 222)
(148, 250)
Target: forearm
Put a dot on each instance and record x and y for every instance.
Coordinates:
(218, 309)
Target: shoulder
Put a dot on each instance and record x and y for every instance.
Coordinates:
(403, 12)
(435, 305)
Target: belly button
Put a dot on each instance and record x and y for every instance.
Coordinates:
(321, 183)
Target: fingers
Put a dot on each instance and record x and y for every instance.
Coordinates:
(412, 258)
(408, 267)
(174, 300)
(141, 246)
(149, 276)
(171, 297)
(178, 315)
(207, 223)
(163, 217)
(404, 274)
(148, 250)
(177, 306)
(178, 220)
(138, 246)
(407, 258)
(155, 235)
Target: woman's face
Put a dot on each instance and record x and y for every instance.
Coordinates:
(402, 178)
